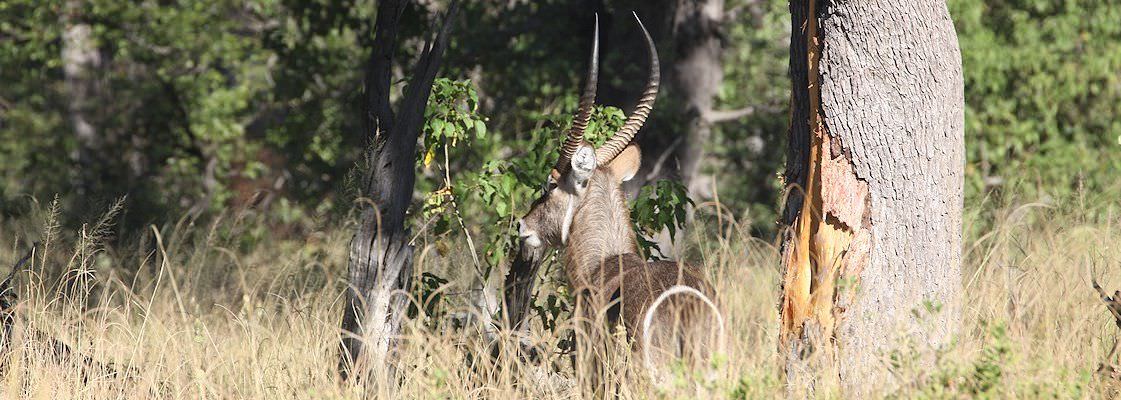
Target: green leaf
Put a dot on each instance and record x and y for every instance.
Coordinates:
(438, 126)
(480, 129)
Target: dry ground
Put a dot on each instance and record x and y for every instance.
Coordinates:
(185, 311)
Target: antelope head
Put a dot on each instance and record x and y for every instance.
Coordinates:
(585, 177)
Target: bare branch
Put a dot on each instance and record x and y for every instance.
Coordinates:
(1111, 303)
(661, 161)
(718, 116)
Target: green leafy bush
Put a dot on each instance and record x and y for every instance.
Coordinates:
(1042, 92)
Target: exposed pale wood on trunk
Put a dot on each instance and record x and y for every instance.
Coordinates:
(877, 144)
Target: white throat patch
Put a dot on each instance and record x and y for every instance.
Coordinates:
(566, 224)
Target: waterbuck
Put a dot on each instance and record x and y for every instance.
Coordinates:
(666, 307)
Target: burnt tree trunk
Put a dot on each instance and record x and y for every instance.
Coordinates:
(380, 258)
(873, 251)
(518, 288)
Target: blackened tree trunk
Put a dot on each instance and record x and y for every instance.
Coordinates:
(872, 257)
(380, 259)
(518, 288)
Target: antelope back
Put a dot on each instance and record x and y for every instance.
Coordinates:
(666, 307)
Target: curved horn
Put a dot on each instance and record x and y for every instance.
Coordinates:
(623, 137)
(584, 112)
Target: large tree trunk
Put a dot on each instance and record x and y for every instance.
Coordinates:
(380, 260)
(872, 257)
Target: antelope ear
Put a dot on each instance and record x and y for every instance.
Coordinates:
(626, 164)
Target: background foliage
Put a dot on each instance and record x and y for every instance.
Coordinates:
(1042, 92)
(204, 105)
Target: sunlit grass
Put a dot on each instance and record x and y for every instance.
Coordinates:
(196, 310)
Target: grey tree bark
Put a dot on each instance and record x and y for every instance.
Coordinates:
(697, 71)
(380, 259)
(873, 251)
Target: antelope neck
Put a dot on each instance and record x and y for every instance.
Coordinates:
(601, 228)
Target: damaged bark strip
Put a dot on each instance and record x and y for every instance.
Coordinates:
(816, 254)
(872, 249)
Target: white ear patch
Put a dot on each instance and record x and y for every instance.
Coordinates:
(583, 163)
(629, 175)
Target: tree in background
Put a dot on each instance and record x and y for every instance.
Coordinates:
(80, 60)
(872, 256)
(723, 107)
(165, 103)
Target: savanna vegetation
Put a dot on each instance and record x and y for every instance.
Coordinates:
(191, 170)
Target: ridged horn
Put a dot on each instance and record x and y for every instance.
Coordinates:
(619, 141)
(584, 113)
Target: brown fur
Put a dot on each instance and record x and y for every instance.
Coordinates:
(602, 262)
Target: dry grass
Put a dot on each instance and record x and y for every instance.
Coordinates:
(186, 311)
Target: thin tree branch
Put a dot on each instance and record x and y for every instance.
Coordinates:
(718, 116)
(657, 169)
(1113, 304)
(725, 115)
